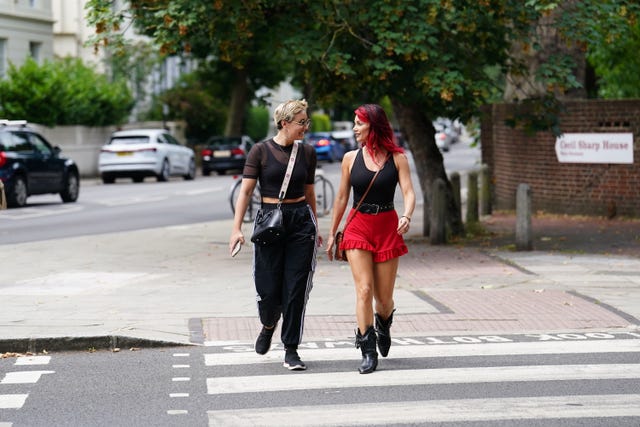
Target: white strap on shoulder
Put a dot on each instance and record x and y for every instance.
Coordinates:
(287, 174)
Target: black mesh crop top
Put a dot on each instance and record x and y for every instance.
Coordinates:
(267, 162)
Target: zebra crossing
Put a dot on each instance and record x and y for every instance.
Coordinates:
(594, 381)
(21, 376)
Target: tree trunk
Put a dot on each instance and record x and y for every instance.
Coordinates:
(427, 157)
(237, 108)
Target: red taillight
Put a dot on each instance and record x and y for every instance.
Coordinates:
(206, 152)
(237, 152)
(322, 143)
(3, 158)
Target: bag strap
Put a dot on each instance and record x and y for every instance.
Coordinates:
(287, 174)
(355, 210)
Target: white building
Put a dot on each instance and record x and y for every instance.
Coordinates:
(26, 29)
(71, 32)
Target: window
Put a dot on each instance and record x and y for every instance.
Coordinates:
(34, 50)
(40, 145)
(3, 57)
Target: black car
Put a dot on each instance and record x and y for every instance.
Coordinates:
(30, 165)
(223, 153)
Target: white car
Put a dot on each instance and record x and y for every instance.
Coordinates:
(138, 153)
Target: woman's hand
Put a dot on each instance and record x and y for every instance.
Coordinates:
(329, 250)
(236, 236)
(403, 224)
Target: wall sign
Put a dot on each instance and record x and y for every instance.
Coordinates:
(595, 148)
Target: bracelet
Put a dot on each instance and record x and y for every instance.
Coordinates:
(404, 216)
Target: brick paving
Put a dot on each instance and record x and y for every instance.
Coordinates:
(465, 311)
(457, 283)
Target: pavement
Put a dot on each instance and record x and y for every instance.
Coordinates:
(178, 286)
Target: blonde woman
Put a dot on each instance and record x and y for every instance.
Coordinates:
(282, 271)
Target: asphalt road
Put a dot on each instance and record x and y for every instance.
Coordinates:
(125, 205)
(517, 382)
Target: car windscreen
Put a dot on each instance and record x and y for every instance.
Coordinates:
(129, 140)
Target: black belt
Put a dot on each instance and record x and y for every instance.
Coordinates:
(372, 208)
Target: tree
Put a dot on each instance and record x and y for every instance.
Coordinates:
(237, 35)
(430, 57)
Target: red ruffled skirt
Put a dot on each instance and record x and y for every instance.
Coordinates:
(375, 233)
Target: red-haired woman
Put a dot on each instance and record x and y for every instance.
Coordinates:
(373, 237)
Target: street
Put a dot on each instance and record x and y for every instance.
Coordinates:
(163, 320)
(515, 380)
(125, 205)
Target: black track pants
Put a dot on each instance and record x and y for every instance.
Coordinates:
(283, 272)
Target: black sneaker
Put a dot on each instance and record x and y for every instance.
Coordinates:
(292, 361)
(263, 342)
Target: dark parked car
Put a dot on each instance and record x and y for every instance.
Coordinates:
(30, 165)
(327, 147)
(223, 153)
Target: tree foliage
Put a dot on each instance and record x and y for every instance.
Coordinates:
(63, 92)
(430, 57)
(237, 35)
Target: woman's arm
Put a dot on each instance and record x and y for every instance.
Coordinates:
(408, 195)
(310, 196)
(342, 198)
(244, 197)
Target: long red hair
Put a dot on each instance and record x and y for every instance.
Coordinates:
(380, 131)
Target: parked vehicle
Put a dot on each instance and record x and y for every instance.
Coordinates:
(138, 153)
(346, 138)
(327, 147)
(30, 165)
(447, 133)
(223, 153)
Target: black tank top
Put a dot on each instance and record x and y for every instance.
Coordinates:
(384, 187)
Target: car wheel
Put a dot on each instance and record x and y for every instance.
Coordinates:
(71, 188)
(221, 171)
(138, 178)
(17, 193)
(108, 179)
(191, 174)
(206, 172)
(165, 172)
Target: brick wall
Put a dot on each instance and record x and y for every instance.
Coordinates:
(515, 157)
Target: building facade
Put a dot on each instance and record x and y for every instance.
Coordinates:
(26, 30)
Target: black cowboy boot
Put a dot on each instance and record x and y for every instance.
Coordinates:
(384, 335)
(367, 344)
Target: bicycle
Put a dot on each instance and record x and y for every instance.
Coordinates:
(252, 207)
(324, 197)
(324, 194)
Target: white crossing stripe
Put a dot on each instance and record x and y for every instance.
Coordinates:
(5, 424)
(33, 360)
(552, 407)
(414, 351)
(177, 412)
(24, 377)
(12, 401)
(382, 378)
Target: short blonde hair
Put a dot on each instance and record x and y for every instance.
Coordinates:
(287, 110)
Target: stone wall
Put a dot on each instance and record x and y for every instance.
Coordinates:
(516, 157)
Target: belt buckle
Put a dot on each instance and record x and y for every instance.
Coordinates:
(377, 209)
